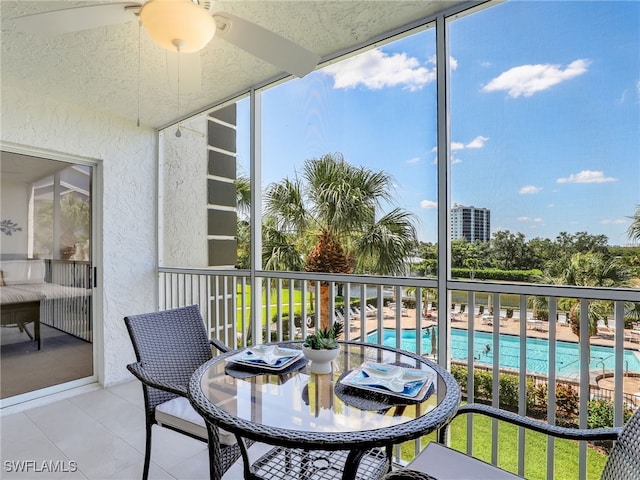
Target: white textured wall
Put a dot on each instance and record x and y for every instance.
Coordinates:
(183, 195)
(129, 204)
(14, 203)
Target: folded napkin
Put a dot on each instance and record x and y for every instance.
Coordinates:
(373, 386)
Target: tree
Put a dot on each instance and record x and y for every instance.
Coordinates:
(510, 251)
(428, 267)
(330, 220)
(592, 270)
(634, 228)
(73, 227)
(565, 245)
(588, 270)
(544, 252)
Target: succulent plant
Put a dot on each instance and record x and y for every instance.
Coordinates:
(325, 338)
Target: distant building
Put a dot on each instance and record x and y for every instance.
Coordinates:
(471, 223)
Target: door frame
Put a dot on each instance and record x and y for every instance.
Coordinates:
(96, 259)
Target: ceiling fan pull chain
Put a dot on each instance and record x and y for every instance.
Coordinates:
(139, 54)
(178, 43)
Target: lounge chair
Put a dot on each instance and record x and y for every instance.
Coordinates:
(603, 330)
(562, 320)
(612, 328)
(535, 323)
(442, 463)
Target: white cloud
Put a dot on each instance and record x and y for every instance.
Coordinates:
(477, 142)
(623, 97)
(617, 221)
(453, 62)
(551, 205)
(413, 161)
(428, 204)
(529, 79)
(529, 219)
(376, 70)
(586, 176)
(529, 189)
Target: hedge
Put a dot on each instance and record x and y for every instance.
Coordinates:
(529, 276)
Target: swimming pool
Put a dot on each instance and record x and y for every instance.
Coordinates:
(567, 353)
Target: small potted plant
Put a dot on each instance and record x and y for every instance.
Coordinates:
(322, 347)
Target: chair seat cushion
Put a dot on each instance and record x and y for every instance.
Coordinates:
(179, 414)
(445, 463)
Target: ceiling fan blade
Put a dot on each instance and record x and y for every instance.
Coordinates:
(57, 22)
(189, 76)
(265, 44)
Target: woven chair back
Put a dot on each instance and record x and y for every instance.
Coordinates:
(624, 460)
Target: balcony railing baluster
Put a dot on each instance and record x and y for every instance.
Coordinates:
(229, 310)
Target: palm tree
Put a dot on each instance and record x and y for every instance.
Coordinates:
(634, 228)
(592, 270)
(329, 221)
(589, 270)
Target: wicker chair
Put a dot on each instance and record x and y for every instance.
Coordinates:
(169, 346)
(623, 462)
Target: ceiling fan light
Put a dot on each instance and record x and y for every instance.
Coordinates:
(178, 23)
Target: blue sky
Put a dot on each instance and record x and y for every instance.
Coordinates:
(545, 117)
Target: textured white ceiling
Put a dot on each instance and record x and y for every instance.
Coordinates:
(98, 68)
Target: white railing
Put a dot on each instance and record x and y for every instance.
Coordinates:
(69, 310)
(398, 309)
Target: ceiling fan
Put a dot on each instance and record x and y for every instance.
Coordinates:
(178, 25)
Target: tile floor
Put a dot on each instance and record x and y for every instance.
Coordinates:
(102, 433)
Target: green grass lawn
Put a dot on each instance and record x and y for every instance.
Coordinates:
(273, 305)
(566, 451)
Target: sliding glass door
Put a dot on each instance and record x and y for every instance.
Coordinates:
(46, 273)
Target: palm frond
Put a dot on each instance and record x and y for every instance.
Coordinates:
(284, 203)
(279, 250)
(634, 229)
(385, 247)
(243, 194)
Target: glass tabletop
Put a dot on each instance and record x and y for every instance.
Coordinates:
(340, 402)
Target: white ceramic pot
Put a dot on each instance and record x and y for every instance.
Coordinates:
(320, 359)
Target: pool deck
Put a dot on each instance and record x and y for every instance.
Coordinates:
(509, 326)
(539, 329)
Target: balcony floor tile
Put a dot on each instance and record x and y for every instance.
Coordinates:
(103, 431)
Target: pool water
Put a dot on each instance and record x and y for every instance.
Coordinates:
(567, 353)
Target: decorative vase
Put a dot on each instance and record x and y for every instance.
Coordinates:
(320, 359)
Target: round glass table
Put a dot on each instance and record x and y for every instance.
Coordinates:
(323, 426)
